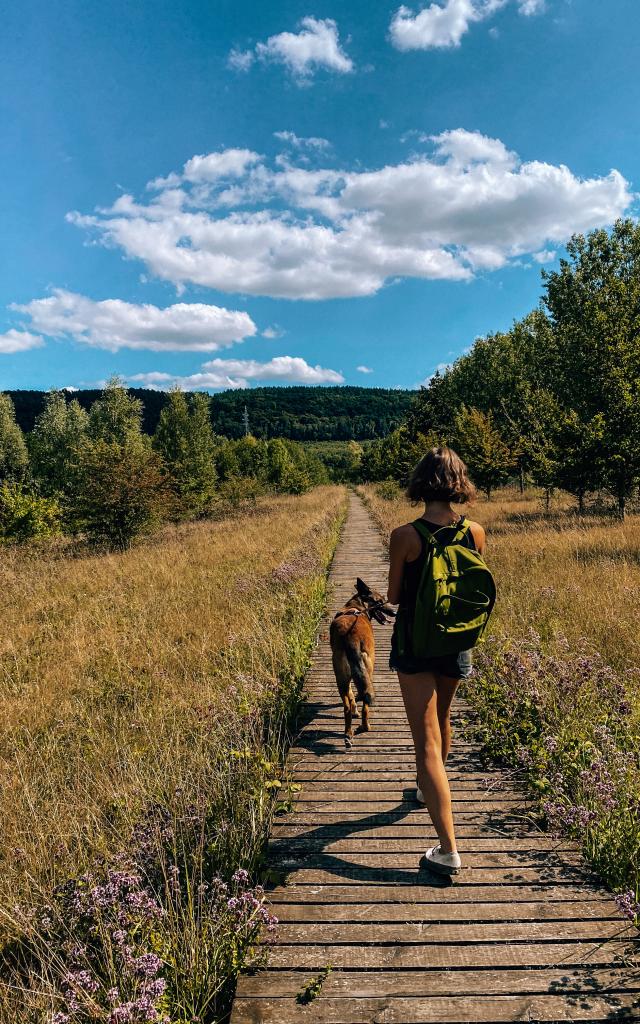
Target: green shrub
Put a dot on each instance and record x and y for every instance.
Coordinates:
(388, 490)
(24, 515)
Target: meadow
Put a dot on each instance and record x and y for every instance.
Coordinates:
(557, 691)
(144, 703)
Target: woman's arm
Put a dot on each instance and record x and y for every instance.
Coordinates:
(397, 555)
(479, 536)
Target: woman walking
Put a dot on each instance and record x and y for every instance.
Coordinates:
(428, 684)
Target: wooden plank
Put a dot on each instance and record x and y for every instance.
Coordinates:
(452, 1010)
(431, 932)
(363, 984)
(354, 874)
(542, 910)
(432, 957)
(364, 843)
(458, 894)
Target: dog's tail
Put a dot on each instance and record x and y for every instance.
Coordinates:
(359, 673)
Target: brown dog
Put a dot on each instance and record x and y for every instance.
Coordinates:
(353, 653)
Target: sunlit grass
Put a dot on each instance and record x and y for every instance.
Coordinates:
(160, 677)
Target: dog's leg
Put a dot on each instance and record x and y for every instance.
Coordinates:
(348, 728)
(365, 725)
(342, 671)
(352, 699)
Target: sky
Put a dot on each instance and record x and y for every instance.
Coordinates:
(225, 194)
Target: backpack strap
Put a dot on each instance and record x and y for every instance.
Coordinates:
(430, 537)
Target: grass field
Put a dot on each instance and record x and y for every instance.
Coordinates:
(143, 703)
(558, 691)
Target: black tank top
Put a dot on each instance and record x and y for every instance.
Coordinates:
(412, 571)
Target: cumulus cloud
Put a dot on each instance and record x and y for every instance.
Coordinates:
(19, 341)
(443, 24)
(468, 204)
(236, 373)
(364, 369)
(315, 45)
(114, 324)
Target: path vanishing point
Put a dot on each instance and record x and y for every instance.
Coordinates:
(525, 933)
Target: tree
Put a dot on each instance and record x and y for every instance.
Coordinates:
(116, 416)
(53, 442)
(185, 441)
(580, 454)
(594, 305)
(14, 457)
(481, 445)
(122, 491)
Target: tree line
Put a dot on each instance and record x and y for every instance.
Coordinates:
(341, 413)
(98, 474)
(556, 399)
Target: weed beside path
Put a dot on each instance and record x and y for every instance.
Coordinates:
(557, 691)
(143, 713)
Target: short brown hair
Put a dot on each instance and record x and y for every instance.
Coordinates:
(441, 475)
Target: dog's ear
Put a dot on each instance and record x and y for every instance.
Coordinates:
(362, 587)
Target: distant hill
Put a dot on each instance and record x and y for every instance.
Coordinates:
(300, 413)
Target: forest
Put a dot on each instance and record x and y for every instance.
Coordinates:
(296, 413)
(99, 476)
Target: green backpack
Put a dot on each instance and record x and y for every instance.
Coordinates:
(455, 598)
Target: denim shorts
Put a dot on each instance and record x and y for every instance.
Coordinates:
(455, 666)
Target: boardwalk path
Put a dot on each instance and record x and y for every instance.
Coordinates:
(524, 934)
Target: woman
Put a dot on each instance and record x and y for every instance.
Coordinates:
(428, 685)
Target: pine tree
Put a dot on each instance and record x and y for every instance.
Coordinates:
(14, 457)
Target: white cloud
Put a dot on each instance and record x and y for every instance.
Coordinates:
(544, 256)
(272, 332)
(442, 24)
(113, 324)
(364, 369)
(235, 373)
(315, 45)
(240, 60)
(310, 142)
(291, 232)
(19, 341)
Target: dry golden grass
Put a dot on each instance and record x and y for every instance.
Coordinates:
(557, 573)
(111, 666)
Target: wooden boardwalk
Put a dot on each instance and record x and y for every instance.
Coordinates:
(525, 933)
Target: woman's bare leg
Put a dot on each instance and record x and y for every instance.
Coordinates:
(446, 691)
(420, 697)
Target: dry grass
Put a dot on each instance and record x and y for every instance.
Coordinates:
(557, 573)
(114, 668)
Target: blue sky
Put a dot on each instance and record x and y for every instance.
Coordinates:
(334, 186)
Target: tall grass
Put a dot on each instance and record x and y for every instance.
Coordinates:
(144, 702)
(557, 691)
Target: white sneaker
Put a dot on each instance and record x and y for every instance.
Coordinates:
(420, 796)
(442, 863)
